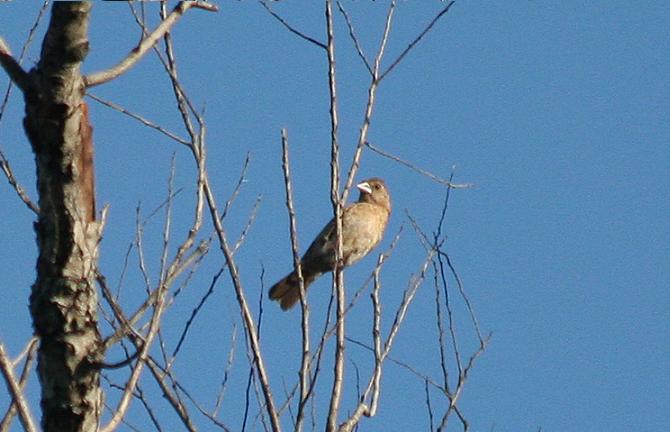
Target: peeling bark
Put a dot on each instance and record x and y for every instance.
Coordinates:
(63, 301)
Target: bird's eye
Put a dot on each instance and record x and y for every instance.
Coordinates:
(377, 186)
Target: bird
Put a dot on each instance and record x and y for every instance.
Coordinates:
(363, 226)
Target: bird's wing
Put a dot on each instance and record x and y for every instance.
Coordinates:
(320, 256)
(362, 226)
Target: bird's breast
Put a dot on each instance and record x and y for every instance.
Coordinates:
(363, 226)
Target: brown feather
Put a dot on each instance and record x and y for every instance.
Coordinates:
(363, 226)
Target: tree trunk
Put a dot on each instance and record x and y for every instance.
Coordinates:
(63, 302)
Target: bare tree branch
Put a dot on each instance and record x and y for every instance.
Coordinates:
(226, 372)
(374, 386)
(289, 27)
(15, 390)
(142, 327)
(195, 311)
(363, 409)
(20, 191)
(418, 169)
(429, 406)
(12, 67)
(124, 403)
(305, 366)
(147, 43)
(139, 118)
(167, 275)
(372, 90)
(4, 52)
(354, 38)
(198, 152)
(29, 353)
(337, 203)
(412, 44)
(180, 409)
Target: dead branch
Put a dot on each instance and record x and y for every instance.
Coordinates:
(354, 38)
(20, 191)
(416, 40)
(305, 366)
(226, 372)
(139, 118)
(337, 203)
(289, 27)
(16, 391)
(198, 152)
(418, 169)
(147, 43)
(4, 162)
(12, 67)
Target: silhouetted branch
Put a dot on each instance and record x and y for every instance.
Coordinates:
(290, 28)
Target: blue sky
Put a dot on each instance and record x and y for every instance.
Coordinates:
(557, 112)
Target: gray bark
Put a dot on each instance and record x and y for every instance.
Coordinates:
(63, 301)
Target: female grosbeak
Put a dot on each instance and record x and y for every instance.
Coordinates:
(363, 225)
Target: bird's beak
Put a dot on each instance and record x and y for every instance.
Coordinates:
(364, 187)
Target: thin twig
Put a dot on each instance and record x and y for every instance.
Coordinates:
(373, 387)
(416, 40)
(305, 367)
(20, 191)
(31, 35)
(216, 422)
(147, 43)
(195, 311)
(139, 118)
(372, 91)
(243, 304)
(178, 406)
(337, 203)
(428, 406)
(329, 331)
(154, 327)
(354, 38)
(380, 354)
(147, 407)
(290, 28)
(440, 329)
(4, 162)
(402, 364)
(29, 353)
(167, 224)
(15, 390)
(440, 281)
(417, 169)
(226, 371)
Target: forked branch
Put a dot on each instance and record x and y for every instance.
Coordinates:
(147, 43)
(16, 391)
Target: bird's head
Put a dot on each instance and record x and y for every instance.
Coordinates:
(374, 191)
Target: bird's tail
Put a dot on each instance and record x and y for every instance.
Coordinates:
(287, 290)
